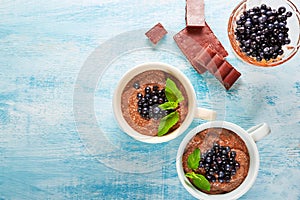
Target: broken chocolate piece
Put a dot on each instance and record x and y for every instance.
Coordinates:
(194, 13)
(156, 33)
(231, 78)
(205, 36)
(190, 48)
(218, 66)
(191, 42)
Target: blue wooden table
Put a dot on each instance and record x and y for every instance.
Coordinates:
(60, 61)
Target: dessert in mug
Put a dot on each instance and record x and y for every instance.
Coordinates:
(154, 103)
(219, 155)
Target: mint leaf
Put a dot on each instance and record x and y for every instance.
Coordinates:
(167, 122)
(173, 94)
(170, 95)
(168, 105)
(199, 181)
(194, 159)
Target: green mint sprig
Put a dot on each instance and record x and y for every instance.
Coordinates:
(194, 159)
(173, 94)
(174, 97)
(198, 179)
(167, 122)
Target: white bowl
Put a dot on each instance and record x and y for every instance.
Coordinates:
(249, 137)
(193, 111)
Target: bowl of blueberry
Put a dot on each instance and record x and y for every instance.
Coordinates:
(155, 102)
(265, 33)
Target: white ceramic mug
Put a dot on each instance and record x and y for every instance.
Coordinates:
(250, 136)
(193, 110)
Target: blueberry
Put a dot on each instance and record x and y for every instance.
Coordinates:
(136, 85)
(160, 93)
(269, 12)
(281, 10)
(224, 152)
(145, 105)
(271, 19)
(213, 179)
(155, 88)
(287, 41)
(208, 159)
(221, 180)
(143, 100)
(145, 110)
(288, 14)
(227, 178)
(216, 146)
(147, 96)
(208, 177)
(221, 174)
(223, 157)
(280, 52)
(266, 50)
(227, 148)
(232, 154)
(239, 22)
(139, 95)
(140, 103)
(155, 99)
(219, 160)
(165, 112)
(227, 167)
(147, 90)
(151, 115)
(282, 18)
(248, 24)
(224, 162)
(156, 110)
(150, 102)
(231, 161)
(270, 26)
(160, 100)
(233, 171)
(263, 6)
(211, 171)
(201, 164)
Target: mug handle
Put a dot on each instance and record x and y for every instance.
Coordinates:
(259, 131)
(205, 114)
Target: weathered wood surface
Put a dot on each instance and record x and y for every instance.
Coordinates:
(44, 46)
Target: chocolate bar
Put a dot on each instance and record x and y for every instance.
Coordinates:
(191, 41)
(194, 13)
(205, 36)
(156, 33)
(190, 48)
(218, 66)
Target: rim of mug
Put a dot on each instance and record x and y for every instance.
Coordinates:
(253, 167)
(192, 103)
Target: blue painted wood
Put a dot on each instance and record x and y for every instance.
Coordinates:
(42, 154)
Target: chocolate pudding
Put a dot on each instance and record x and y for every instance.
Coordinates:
(129, 102)
(205, 140)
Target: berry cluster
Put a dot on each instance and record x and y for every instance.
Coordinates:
(219, 163)
(149, 101)
(262, 31)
